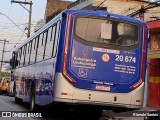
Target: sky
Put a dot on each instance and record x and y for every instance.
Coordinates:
(14, 20)
(17, 14)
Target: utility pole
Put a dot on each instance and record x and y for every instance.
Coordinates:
(142, 11)
(4, 43)
(30, 14)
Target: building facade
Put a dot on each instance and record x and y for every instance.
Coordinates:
(154, 64)
(53, 7)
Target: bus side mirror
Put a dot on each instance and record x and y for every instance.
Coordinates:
(13, 63)
(16, 63)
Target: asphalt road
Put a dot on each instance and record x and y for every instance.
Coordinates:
(8, 104)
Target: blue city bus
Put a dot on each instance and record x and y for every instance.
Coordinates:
(83, 58)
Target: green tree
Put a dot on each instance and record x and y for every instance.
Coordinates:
(4, 74)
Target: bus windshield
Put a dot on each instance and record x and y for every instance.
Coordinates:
(106, 31)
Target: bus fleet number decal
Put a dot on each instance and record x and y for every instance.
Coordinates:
(125, 58)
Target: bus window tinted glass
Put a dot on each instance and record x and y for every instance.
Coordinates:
(49, 43)
(33, 52)
(22, 57)
(106, 31)
(26, 54)
(56, 39)
(40, 49)
(19, 56)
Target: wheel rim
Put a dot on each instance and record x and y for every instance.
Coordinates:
(32, 102)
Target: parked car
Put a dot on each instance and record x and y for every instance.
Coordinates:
(3, 85)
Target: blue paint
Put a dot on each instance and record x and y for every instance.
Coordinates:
(88, 66)
(100, 71)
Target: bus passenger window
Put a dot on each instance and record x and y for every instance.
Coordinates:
(19, 56)
(40, 49)
(44, 42)
(33, 52)
(87, 30)
(49, 41)
(22, 56)
(26, 54)
(36, 47)
(127, 34)
(102, 31)
(29, 51)
(56, 39)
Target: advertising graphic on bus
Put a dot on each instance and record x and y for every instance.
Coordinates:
(83, 57)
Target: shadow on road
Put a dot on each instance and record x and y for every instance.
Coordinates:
(58, 113)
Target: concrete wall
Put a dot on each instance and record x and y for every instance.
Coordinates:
(53, 6)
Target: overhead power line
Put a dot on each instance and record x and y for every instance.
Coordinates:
(144, 8)
(11, 21)
(30, 13)
(16, 43)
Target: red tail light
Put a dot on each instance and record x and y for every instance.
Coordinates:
(66, 51)
(106, 47)
(64, 70)
(138, 100)
(62, 93)
(142, 60)
(136, 85)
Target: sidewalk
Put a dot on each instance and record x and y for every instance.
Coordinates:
(145, 113)
(147, 109)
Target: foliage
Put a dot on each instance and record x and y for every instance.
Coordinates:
(4, 74)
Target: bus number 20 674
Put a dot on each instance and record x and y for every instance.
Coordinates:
(125, 58)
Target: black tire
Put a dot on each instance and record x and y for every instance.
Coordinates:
(14, 89)
(32, 99)
(95, 113)
(7, 92)
(18, 100)
(9, 95)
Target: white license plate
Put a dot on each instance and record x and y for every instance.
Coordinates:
(103, 87)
